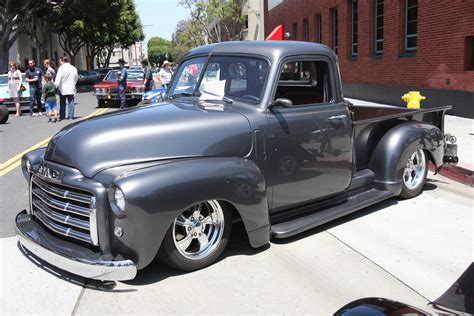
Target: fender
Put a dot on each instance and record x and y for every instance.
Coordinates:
(393, 150)
(155, 196)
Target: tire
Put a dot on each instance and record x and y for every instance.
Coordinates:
(197, 237)
(101, 103)
(3, 114)
(414, 174)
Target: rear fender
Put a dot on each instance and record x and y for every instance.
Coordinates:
(392, 152)
(156, 195)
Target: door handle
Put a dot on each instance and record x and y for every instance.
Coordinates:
(337, 117)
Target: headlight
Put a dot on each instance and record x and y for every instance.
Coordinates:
(138, 89)
(118, 202)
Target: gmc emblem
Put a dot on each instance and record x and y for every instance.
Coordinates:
(48, 173)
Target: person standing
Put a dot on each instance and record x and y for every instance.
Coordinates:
(147, 76)
(48, 65)
(49, 95)
(34, 77)
(66, 80)
(165, 74)
(14, 85)
(122, 83)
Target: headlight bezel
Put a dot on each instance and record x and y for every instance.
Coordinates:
(117, 201)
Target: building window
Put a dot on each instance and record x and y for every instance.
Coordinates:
(335, 45)
(295, 31)
(411, 23)
(319, 28)
(469, 53)
(306, 30)
(378, 26)
(354, 28)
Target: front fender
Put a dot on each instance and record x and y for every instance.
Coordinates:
(392, 152)
(156, 195)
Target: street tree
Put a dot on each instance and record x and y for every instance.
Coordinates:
(215, 20)
(159, 50)
(13, 17)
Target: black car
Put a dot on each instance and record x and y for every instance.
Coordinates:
(87, 77)
(103, 72)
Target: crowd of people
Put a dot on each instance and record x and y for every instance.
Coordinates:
(45, 85)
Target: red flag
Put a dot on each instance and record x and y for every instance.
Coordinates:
(278, 34)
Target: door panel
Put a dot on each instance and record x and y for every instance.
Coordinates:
(311, 153)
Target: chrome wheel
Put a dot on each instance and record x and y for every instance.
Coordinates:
(415, 170)
(198, 231)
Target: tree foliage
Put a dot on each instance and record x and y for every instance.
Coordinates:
(159, 50)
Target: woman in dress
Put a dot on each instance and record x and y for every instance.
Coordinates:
(14, 84)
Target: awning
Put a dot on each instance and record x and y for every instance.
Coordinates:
(278, 34)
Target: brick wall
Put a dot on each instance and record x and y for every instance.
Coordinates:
(442, 49)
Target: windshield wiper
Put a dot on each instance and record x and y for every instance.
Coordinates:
(218, 97)
(181, 94)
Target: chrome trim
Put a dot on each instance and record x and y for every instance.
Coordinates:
(88, 268)
(93, 227)
(61, 229)
(66, 207)
(30, 194)
(62, 193)
(58, 217)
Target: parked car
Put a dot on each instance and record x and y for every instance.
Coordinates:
(257, 132)
(107, 90)
(103, 72)
(3, 112)
(87, 77)
(5, 94)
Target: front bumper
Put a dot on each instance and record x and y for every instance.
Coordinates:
(68, 256)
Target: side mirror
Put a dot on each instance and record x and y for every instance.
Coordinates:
(286, 103)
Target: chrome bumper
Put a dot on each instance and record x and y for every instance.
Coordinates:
(68, 256)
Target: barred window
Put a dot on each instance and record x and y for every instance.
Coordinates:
(295, 32)
(354, 29)
(319, 28)
(335, 45)
(411, 24)
(378, 26)
(306, 30)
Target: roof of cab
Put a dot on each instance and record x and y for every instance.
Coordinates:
(273, 50)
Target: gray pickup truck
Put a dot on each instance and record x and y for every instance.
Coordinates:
(257, 132)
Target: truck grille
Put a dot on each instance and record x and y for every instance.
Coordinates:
(65, 211)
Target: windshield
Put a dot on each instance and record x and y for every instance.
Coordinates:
(131, 75)
(232, 77)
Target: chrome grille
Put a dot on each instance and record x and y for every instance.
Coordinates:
(68, 212)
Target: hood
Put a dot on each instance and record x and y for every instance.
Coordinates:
(150, 133)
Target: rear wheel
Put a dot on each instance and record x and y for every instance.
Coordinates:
(3, 114)
(414, 174)
(197, 236)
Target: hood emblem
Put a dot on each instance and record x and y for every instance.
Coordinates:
(48, 174)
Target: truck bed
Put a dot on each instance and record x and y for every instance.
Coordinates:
(371, 123)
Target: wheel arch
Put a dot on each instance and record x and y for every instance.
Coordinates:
(156, 196)
(390, 155)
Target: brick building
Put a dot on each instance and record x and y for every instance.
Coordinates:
(387, 47)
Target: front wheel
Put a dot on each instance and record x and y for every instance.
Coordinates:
(414, 174)
(101, 103)
(197, 236)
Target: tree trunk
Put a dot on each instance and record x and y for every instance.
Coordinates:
(4, 52)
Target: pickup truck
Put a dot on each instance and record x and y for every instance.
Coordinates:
(256, 132)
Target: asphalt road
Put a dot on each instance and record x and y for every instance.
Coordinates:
(410, 251)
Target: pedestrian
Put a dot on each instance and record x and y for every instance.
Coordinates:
(34, 77)
(147, 76)
(165, 74)
(49, 95)
(49, 66)
(122, 83)
(14, 85)
(66, 80)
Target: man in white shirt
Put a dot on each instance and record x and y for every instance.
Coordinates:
(65, 81)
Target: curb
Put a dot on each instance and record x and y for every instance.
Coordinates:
(461, 172)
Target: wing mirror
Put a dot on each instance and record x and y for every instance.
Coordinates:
(281, 102)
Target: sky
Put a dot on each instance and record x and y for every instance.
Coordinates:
(159, 17)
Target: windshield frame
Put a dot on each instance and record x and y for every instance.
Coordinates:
(207, 59)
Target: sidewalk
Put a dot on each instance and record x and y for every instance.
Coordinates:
(463, 129)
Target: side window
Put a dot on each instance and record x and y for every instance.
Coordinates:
(305, 83)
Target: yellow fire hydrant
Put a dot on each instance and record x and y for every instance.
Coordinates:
(413, 99)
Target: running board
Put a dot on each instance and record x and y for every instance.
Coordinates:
(354, 203)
